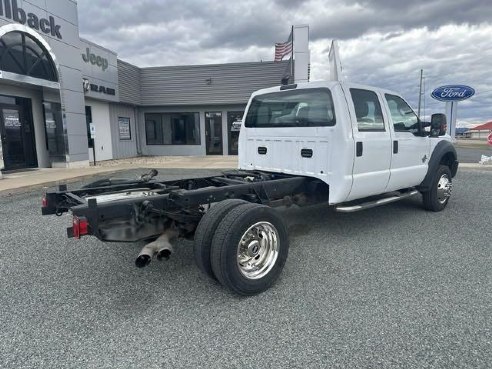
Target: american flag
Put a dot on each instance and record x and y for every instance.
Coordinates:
(283, 48)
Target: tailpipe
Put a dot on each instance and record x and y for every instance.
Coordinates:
(143, 260)
(165, 253)
(161, 248)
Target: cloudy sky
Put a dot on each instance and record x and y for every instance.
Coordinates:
(382, 42)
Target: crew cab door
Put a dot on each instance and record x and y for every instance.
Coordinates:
(410, 147)
(372, 142)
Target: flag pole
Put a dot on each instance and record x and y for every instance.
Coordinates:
(292, 54)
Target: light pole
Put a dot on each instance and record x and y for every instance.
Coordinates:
(420, 92)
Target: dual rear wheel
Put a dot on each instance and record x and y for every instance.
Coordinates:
(242, 245)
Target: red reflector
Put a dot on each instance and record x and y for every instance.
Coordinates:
(80, 226)
(44, 202)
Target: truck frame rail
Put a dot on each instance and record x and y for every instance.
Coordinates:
(142, 209)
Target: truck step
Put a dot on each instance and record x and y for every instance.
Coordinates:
(353, 207)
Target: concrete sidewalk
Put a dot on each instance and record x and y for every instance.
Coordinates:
(23, 181)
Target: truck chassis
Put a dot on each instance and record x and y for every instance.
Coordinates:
(246, 256)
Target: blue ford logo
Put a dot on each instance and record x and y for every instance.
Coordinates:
(453, 93)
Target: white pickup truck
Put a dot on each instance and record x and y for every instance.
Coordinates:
(347, 145)
(359, 140)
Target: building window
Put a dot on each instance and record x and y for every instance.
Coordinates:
(88, 122)
(367, 110)
(20, 53)
(172, 128)
(53, 125)
(153, 129)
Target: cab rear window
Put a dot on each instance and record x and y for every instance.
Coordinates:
(294, 108)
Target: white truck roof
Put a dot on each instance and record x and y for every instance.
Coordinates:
(324, 84)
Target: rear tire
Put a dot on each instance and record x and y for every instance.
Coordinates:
(438, 196)
(249, 249)
(206, 230)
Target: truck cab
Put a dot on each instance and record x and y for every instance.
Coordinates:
(360, 140)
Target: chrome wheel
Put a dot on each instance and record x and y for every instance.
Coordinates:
(258, 250)
(444, 187)
(249, 249)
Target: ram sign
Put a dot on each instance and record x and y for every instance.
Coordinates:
(453, 93)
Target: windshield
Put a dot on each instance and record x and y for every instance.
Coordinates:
(298, 108)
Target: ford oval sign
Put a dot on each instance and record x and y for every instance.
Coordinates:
(453, 93)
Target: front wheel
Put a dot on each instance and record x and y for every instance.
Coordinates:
(249, 249)
(438, 195)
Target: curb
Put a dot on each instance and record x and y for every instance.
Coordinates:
(475, 166)
(28, 188)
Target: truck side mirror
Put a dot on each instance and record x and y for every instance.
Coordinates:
(438, 125)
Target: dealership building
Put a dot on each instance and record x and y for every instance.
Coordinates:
(64, 99)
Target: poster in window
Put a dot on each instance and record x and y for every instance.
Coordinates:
(11, 118)
(124, 128)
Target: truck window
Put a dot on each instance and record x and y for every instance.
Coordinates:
(297, 108)
(367, 110)
(404, 119)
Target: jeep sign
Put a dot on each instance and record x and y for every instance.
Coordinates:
(94, 59)
(453, 93)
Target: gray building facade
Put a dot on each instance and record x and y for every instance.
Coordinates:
(195, 110)
(64, 99)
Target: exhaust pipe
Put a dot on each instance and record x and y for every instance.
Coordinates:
(161, 247)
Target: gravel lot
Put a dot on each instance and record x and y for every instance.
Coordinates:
(393, 286)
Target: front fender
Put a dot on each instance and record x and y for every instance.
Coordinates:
(444, 153)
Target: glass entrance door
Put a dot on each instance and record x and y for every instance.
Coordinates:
(15, 134)
(11, 131)
(213, 133)
(233, 127)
